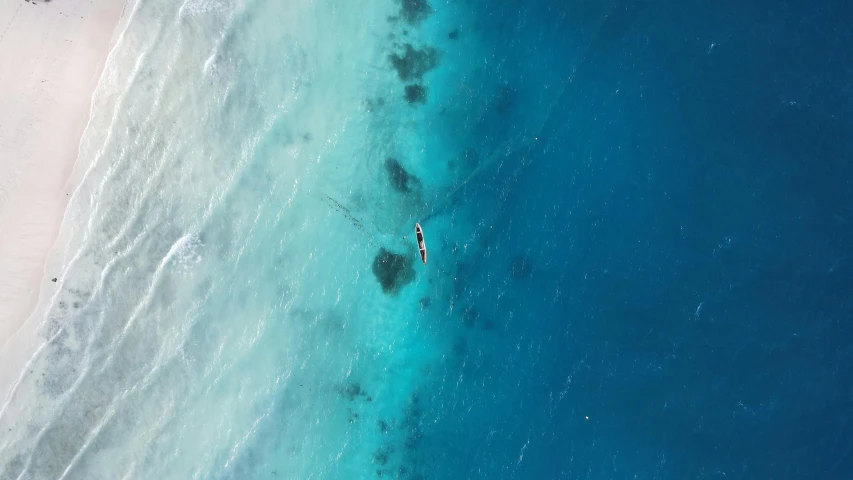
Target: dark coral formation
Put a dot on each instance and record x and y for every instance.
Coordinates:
(414, 11)
(400, 179)
(521, 267)
(425, 303)
(394, 271)
(397, 456)
(414, 63)
(415, 94)
(352, 391)
(383, 454)
(383, 426)
(453, 35)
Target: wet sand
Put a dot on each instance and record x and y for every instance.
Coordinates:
(57, 52)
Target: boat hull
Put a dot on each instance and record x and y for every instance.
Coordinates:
(419, 233)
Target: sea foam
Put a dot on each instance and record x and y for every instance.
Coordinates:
(217, 315)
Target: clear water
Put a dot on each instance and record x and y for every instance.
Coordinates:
(637, 215)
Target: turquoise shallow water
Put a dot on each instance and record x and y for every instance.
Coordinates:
(219, 314)
(637, 218)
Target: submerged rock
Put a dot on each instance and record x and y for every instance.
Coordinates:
(453, 35)
(392, 270)
(352, 391)
(401, 180)
(383, 454)
(415, 94)
(414, 63)
(383, 426)
(415, 11)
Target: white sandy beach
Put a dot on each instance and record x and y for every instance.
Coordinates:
(52, 55)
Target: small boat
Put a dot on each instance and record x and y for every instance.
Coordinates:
(421, 245)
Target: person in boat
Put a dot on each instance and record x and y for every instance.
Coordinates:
(419, 233)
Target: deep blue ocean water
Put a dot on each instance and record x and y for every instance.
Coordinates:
(687, 219)
(639, 218)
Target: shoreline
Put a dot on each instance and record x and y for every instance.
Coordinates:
(60, 49)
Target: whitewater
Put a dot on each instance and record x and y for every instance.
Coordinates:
(637, 219)
(236, 291)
